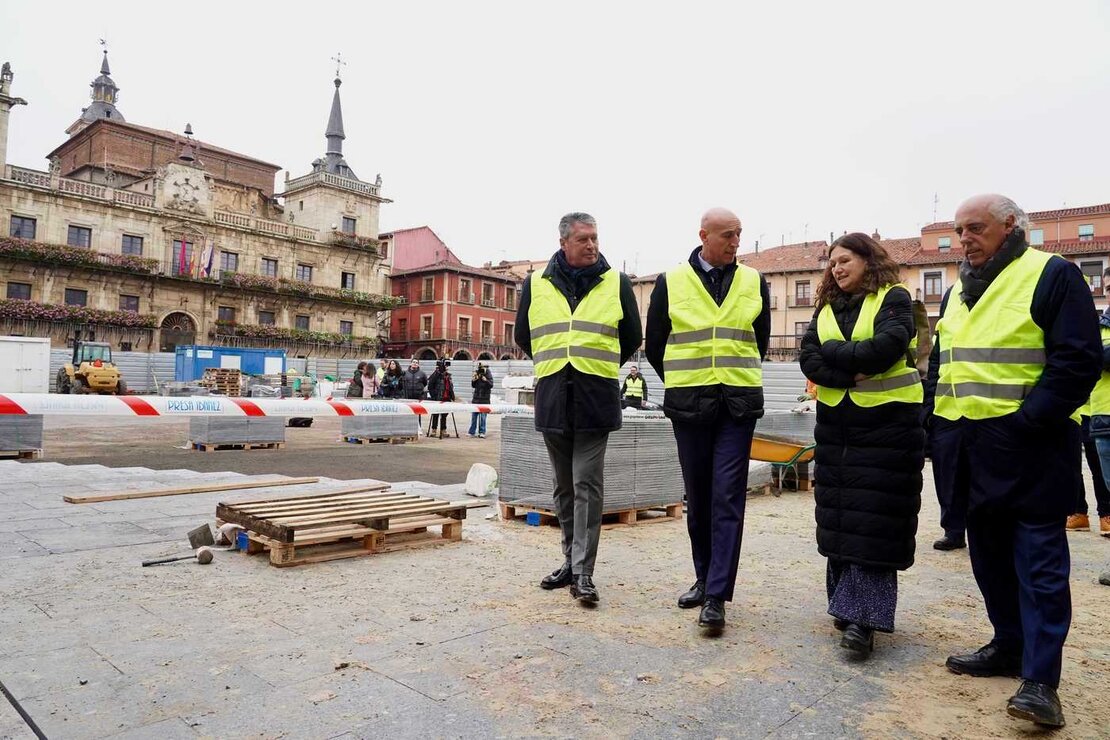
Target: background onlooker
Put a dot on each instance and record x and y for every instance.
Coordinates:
(482, 383)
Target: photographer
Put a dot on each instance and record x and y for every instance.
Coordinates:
(441, 387)
(482, 383)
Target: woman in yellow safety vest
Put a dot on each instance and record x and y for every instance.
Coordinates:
(870, 442)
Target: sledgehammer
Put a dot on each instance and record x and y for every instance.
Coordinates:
(203, 556)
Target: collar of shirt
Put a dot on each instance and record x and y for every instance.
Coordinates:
(705, 266)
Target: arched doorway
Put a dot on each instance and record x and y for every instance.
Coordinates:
(427, 354)
(177, 329)
(462, 354)
(506, 356)
(485, 356)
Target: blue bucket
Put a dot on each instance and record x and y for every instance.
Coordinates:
(532, 518)
(241, 540)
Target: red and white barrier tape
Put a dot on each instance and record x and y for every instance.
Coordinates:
(92, 405)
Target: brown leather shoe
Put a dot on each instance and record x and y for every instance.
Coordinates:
(1104, 526)
(1077, 521)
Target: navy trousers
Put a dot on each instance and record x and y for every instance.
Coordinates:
(714, 460)
(950, 473)
(1019, 494)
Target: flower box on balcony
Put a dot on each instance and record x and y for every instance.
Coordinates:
(32, 311)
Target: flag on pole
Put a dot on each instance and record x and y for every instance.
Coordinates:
(192, 263)
(182, 264)
(206, 257)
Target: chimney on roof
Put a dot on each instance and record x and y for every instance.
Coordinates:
(875, 235)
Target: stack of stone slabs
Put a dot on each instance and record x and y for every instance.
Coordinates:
(381, 426)
(20, 432)
(787, 426)
(641, 464)
(229, 430)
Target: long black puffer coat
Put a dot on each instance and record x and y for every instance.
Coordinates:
(869, 460)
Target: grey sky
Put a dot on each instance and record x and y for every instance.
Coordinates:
(488, 121)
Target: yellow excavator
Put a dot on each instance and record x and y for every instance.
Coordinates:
(91, 370)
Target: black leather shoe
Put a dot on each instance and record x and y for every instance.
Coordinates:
(989, 660)
(1036, 702)
(582, 588)
(694, 597)
(558, 578)
(858, 640)
(712, 615)
(948, 542)
(840, 624)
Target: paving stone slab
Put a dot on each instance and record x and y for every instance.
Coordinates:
(92, 537)
(15, 545)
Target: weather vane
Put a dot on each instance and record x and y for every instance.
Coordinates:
(339, 63)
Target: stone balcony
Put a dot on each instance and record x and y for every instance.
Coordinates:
(335, 181)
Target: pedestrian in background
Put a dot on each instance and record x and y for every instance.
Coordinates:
(634, 389)
(1017, 354)
(482, 383)
(370, 385)
(393, 381)
(870, 442)
(579, 322)
(1099, 434)
(354, 385)
(709, 324)
(441, 387)
(414, 382)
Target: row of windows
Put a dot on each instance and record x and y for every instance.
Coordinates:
(1086, 233)
(466, 292)
(464, 330)
(268, 318)
(183, 257)
(73, 296)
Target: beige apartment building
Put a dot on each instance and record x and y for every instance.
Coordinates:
(149, 239)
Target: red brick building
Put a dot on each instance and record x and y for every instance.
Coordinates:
(453, 310)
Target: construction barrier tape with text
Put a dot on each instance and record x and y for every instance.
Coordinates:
(49, 404)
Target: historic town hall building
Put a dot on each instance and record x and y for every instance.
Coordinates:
(150, 239)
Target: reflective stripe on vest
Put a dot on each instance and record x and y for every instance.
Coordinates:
(1100, 396)
(900, 383)
(992, 355)
(711, 344)
(587, 338)
(634, 387)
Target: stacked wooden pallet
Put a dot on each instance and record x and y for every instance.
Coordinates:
(223, 380)
(342, 524)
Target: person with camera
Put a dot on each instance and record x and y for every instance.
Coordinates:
(441, 387)
(482, 383)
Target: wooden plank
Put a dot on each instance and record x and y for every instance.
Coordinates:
(310, 505)
(127, 495)
(422, 507)
(355, 507)
(321, 494)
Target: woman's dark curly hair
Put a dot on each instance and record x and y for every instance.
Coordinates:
(881, 269)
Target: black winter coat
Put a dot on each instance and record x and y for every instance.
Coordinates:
(354, 387)
(413, 383)
(868, 460)
(570, 401)
(482, 385)
(441, 387)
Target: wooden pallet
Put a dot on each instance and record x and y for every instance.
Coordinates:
(204, 447)
(378, 440)
(20, 454)
(610, 518)
(329, 526)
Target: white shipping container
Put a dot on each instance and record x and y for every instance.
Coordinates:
(24, 365)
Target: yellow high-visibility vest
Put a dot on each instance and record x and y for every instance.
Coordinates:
(634, 387)
(1100, 396)
(711, 344)
(992, 355)
(587, 337)
(900, 383)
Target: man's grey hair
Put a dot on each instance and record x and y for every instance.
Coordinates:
(1003, 207)
(568, 221)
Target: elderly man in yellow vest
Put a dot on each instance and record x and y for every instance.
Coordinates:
(708, 325)
(1017, 353)
(579, 322)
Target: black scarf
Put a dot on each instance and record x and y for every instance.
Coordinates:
(580, 277)
(976, 280)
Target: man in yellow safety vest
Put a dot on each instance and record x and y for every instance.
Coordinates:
(708, 326)
(634, 390)
(1017, 353)
(579, 322)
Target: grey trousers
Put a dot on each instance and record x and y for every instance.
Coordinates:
(579, 465)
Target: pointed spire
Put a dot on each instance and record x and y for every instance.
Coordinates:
(335, 133)
(104, 94)
(104, 65)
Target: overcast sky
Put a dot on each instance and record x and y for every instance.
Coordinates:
(488, 121)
